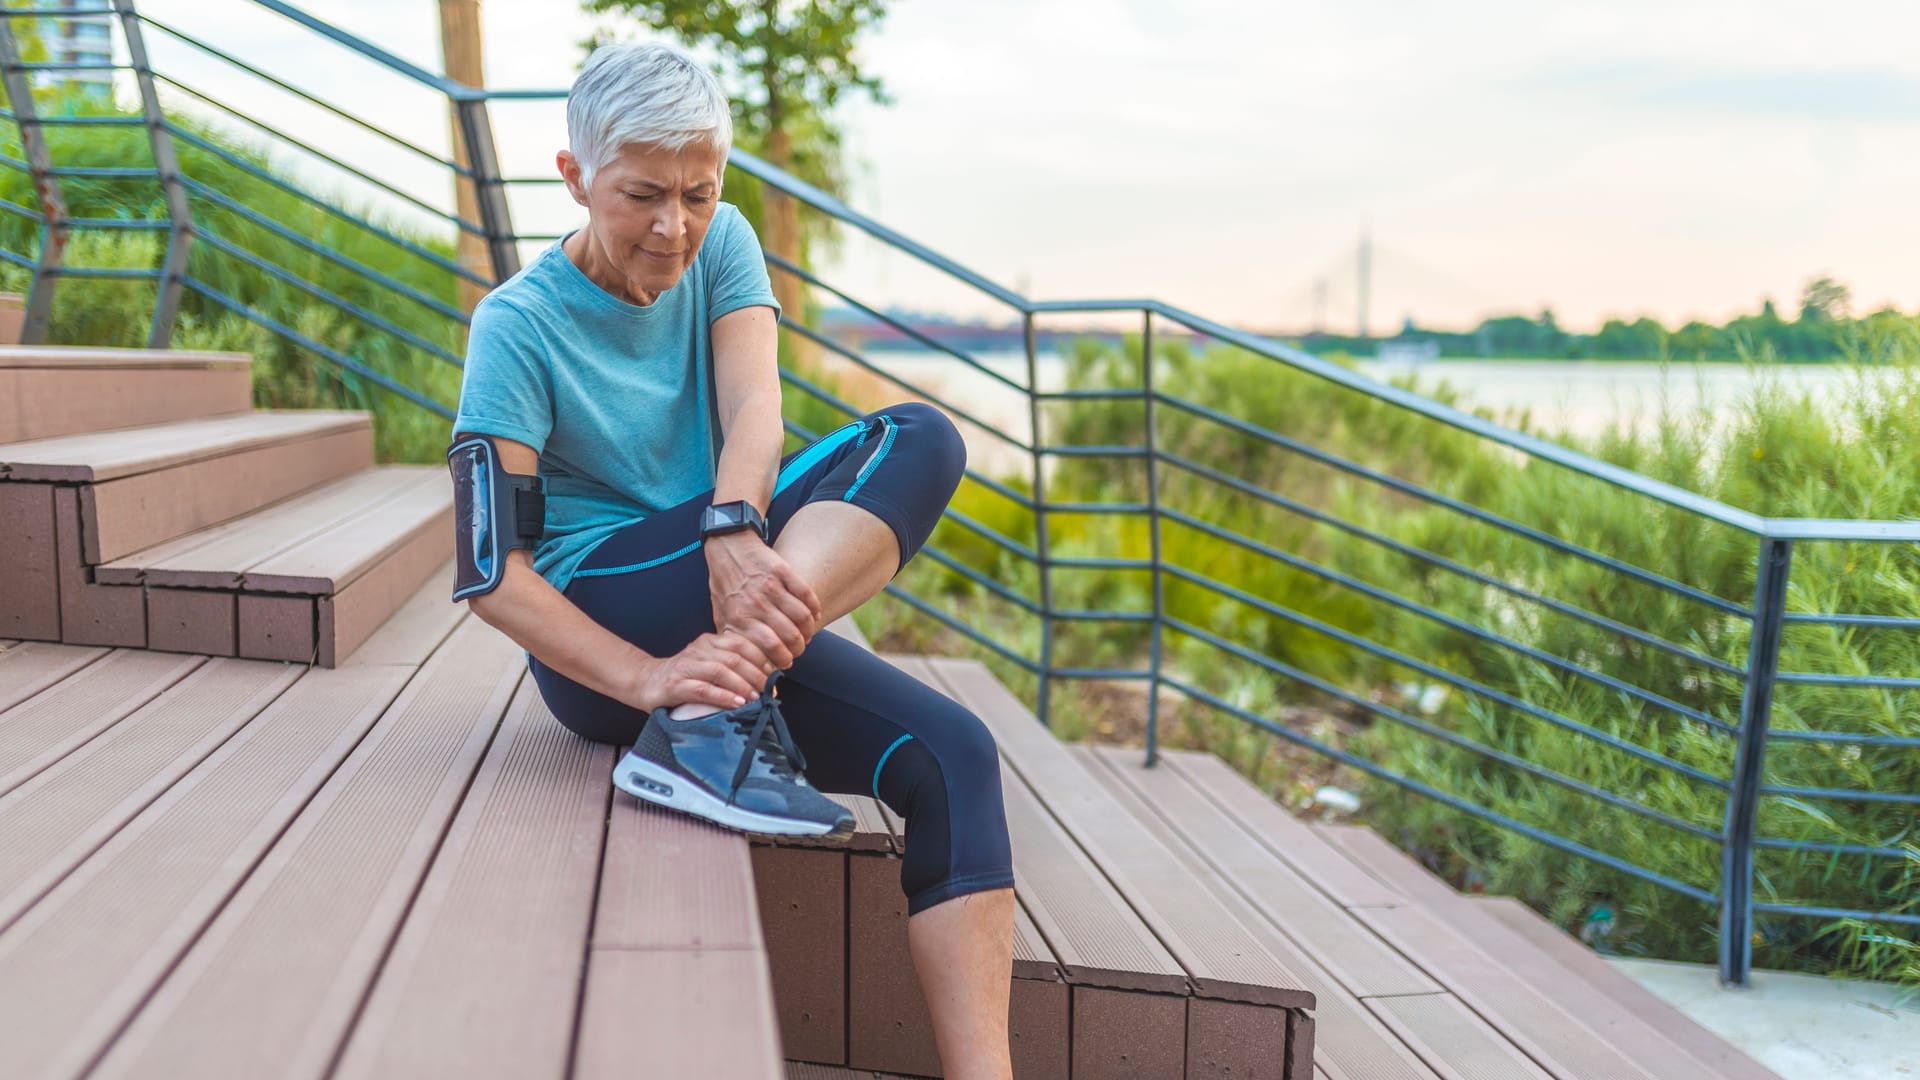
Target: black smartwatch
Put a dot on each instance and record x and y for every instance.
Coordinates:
(731, 517)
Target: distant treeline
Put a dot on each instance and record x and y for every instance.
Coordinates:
(1823, 330)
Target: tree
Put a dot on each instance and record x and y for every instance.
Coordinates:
(787, 63)
(1824, 300)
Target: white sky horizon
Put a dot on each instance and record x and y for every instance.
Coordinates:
(1682, 160)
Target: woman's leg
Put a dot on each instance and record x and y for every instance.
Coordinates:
(867, 728)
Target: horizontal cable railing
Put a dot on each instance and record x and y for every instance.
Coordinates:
(1164, 548)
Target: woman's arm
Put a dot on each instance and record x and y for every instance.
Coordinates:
(719, 670)
(755, 592)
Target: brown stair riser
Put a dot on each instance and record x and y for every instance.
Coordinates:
(50, 401)
(355, 610)
(846, 993)
(29, 563)
(45, 594)
(125, 515)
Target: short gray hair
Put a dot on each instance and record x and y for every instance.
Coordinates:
(643, 92)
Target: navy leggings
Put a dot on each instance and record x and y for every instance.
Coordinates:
(865, 727)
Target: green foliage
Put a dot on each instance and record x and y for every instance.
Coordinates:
(1573, 696)
(782, 59)
(1824, 331)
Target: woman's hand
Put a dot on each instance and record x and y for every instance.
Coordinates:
(757, 594)
(722, 670)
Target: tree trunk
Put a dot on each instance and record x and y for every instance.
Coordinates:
(460, 48)
(783, 229)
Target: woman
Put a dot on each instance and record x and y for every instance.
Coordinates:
(671, 581)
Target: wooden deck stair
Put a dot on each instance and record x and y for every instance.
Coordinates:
(387, 859)
(143, 505)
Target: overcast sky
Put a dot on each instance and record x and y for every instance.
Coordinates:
(1678, 158)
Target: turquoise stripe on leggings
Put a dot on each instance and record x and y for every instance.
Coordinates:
(883, 764)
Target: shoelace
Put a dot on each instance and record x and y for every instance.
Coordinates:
(767, 734)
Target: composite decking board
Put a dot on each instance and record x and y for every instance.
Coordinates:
(332, 558)
(1311, 921)
(1293, 841)
(91, 613)
(274, 982)
(1232, 1040)
(411, 634)
(28, 668)
(1448, 1035)
(215, 557)
(802, 896)
(1552, 1036)
(192, 620)
(669, 881)
(99, 456)
(678, 1013)
(1222, 959)
(1032, 956)
(55, 401)
(483, 978)
(1350, 1042)
(83, 959)
(51, 823)
(870, 829)
(888, 1026)
(1612, 1023)
(41, 730)
(124, 515)
(64, 357)
(1040, 1029)
(1583, 964)
(277, 627)
(345, 619)
(1095, 934)
(29, 562)
(1123, 1036)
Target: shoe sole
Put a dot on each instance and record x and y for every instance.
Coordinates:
(651, 783)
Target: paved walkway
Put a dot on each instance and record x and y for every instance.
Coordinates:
(1803, 1027)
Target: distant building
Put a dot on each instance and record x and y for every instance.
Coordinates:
(78, 39)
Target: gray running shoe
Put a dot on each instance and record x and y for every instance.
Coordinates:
(738, 768)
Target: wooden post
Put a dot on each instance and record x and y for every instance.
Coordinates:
(460, 48)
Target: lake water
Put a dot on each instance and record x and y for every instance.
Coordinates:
(1582, 397)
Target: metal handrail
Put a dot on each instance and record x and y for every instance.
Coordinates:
(1744, 788)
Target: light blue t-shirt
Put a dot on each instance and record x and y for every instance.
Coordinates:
(614, 397)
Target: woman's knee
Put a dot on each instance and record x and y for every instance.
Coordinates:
(937, 442)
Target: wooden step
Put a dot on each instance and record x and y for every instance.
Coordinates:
(1579, 963)
(677, 963)
(221, 556)
(471, 988)
(1376, 1016)
(1242, 1005)
(275, 980)
(52, 390)
(1571, 1030)
(145, 486)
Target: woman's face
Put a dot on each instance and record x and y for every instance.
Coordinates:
(647, 213)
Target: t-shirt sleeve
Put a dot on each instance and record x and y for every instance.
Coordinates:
(506, 390)
(739, 276)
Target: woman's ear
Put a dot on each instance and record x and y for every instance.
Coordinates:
(570, 173)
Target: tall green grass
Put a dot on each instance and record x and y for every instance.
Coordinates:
(1777, 452)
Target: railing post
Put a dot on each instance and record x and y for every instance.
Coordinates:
(1749, 762)
(488, 185)
(1039, 517)
(173, 272)
(53, 208)
(1153, 538)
